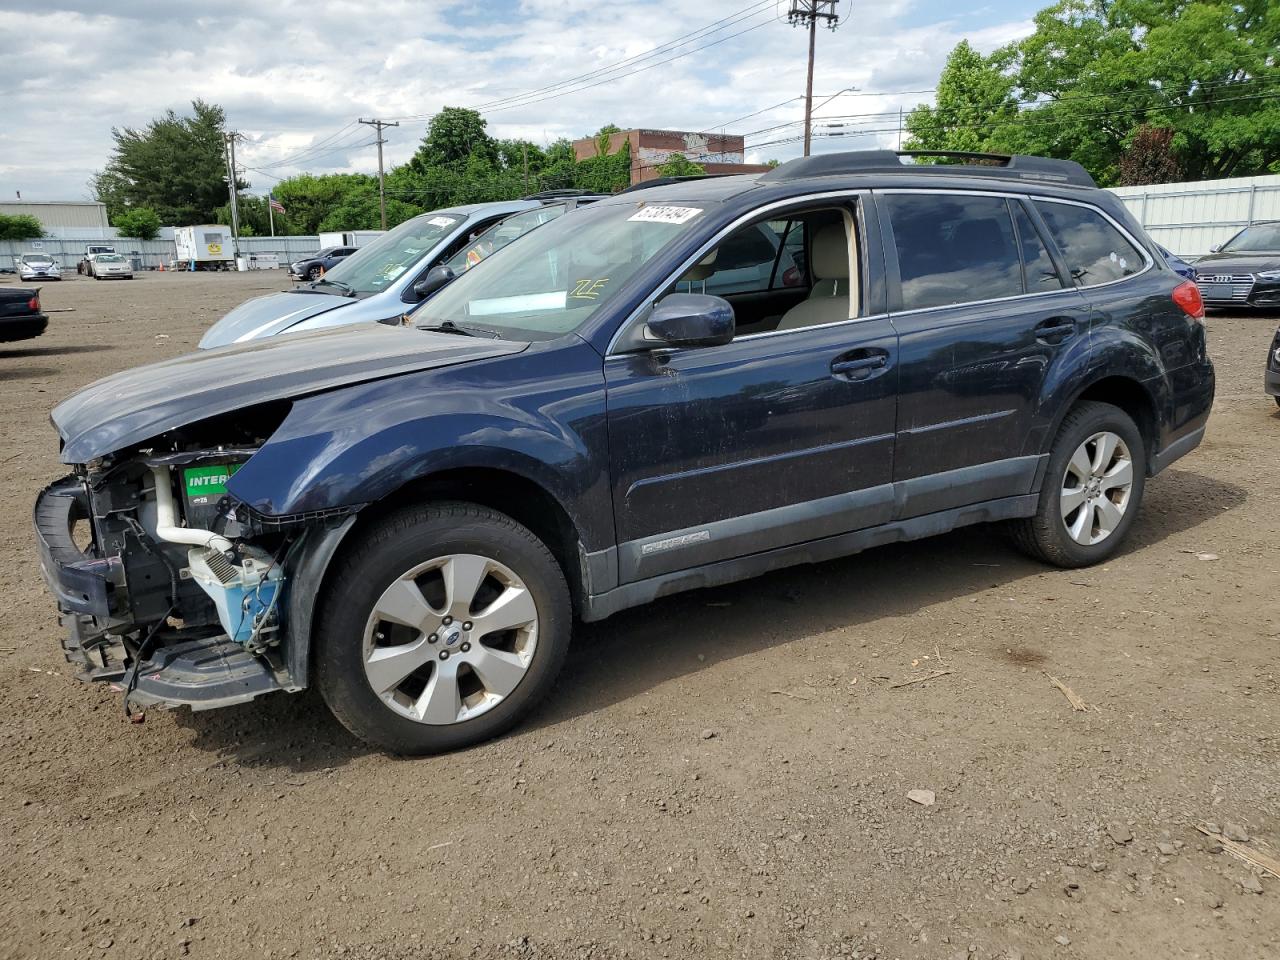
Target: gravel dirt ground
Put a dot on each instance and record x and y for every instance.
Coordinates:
(722, 774)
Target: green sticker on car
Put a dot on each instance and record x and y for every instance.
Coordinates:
(205, 485)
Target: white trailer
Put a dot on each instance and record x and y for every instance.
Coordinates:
(348, 238)
(205, 246)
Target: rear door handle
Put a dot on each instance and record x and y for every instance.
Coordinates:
(1055, 329)
(859, 367)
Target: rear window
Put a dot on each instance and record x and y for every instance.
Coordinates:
(1095, 251)
(954, 249)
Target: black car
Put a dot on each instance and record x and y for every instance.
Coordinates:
(1244, 271)
(315, 266)
(1273, 368)
(20, 316)
(411, 519)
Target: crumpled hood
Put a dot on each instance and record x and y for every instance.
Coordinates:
(1236, 263)
(139, 404)
(268, 315)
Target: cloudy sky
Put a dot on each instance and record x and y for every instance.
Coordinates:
(294, 77)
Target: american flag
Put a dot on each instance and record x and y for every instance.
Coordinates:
(276, 205)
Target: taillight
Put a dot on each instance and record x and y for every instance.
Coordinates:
(1187, 296)
(34, 304)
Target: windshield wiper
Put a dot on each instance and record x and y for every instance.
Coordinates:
(325, 281)
(448, 326)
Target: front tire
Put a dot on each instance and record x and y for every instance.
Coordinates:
(315, 273)
(1092, 489)
(443, 626)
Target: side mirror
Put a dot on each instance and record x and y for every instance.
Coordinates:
(690, 320)
(436, 278)
(1215, 248)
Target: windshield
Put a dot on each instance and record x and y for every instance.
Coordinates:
(499, 235)
(1261, 237)
(373, 268)
(109, 258)
(552, 281)
(36, 258)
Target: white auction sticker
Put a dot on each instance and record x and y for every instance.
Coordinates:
(665, 214)
(441, 221)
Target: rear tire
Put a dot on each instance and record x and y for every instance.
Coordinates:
(1092, 489)
(443, 625)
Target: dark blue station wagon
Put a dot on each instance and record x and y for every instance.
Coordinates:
(412, 519)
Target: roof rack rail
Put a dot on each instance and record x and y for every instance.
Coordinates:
(1004, 166)
(560, 194)
(663, 181)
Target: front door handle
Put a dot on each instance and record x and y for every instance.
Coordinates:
(1055, 330)
(859, 367)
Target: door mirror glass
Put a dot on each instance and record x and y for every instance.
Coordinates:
(436, 278)
(690, 320)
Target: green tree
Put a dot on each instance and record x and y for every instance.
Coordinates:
(453, 135)
(975, 101)
(1094, 71)
(21, 226)
(174, 166)
(309, 198)
(140, 222)
(678, 165)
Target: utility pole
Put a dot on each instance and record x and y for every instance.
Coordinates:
(524, 151)
(382, 197)
(809, 12)
(229, 148)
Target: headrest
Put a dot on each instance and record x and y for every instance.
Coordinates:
(831, 253)
(702, 269)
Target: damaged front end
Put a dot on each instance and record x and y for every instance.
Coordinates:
(169, 586)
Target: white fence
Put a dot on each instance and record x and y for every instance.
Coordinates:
(1189, 218)
(149, 254)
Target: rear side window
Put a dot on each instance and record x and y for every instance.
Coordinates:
(1095, 251)
(954, 249)
(1041, 273)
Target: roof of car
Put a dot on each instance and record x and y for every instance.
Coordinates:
(498, 206)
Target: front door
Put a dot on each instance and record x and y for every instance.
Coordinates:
(984, 321)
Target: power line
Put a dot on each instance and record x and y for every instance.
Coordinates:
(701, 33)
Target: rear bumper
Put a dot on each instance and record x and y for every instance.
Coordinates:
(22, 328)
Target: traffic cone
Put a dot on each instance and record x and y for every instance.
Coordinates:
(161, 267)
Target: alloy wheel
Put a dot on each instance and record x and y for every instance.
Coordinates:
(450, 639)
(1096, 488)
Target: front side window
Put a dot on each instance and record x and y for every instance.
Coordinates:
(953, 249)
(1095, 251)
(373, 268)
(555, 279)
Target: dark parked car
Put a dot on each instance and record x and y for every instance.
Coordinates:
(1177, 264)
(315, 266)
(20, 316)
(1273, 368)
(411, 519)
(1244, 271)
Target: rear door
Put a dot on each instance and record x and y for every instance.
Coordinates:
(985, 319)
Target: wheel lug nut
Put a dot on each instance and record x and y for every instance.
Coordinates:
(465, 647)
(448, 620)
(444, 654)
(466, 625)
(433, 638)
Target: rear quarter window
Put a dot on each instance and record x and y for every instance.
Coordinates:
(1094, 250)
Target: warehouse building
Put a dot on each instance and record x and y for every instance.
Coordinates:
(64, 220)
(715, 153)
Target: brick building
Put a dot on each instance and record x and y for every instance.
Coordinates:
(715, 153)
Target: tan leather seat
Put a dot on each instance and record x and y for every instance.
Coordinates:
(702, 269)
(828, 301)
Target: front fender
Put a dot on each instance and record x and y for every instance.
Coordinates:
(539, 414)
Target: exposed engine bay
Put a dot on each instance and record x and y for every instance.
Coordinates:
(170, 586)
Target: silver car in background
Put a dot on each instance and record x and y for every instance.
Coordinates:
(110, 266)
(376, 283)
(38, 266)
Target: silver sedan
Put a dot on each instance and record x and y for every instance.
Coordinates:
(110, 266)
(38, 266)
